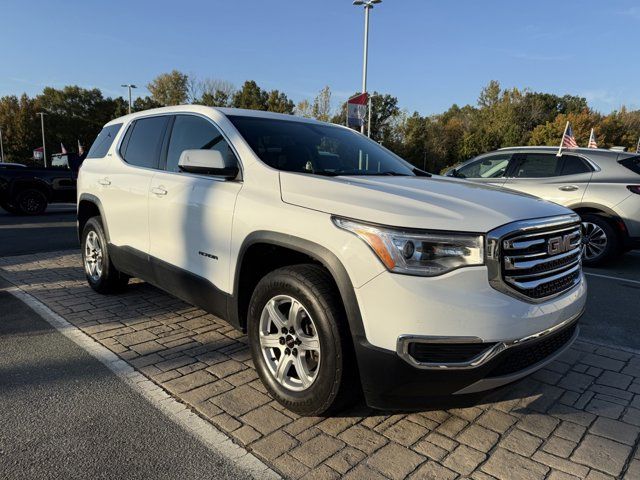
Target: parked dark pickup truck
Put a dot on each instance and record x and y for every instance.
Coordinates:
(27, 190)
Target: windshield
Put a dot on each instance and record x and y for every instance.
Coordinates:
(316, 149)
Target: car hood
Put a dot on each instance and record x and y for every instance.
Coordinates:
(436, 203)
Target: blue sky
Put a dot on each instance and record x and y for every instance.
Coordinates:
(428, 53)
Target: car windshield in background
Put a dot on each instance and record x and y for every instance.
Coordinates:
(317, 149)
(632, 163)
(104, 140)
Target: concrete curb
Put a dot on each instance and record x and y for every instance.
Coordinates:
(176, 411)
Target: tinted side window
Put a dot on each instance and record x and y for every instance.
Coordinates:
(574, 165)
(488, 167)
(536, 165)
(632, 163)
(103, 141)
(195, 133)
(143, 146)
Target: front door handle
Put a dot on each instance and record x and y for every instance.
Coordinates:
(158, 191)
(569, 188)
(104, 181)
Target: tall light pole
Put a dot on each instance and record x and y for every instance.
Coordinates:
(129, 86)
(1, 146)
(44, 146)
(368, 5)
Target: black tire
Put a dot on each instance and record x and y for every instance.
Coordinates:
(30, 202)
(109, 279)
(336, 384)
(606, 251)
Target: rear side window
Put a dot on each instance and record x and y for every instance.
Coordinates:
(195, 133)
(143, 142)
(632, 163)
(536, 165)
(103, 141)
(572, 165)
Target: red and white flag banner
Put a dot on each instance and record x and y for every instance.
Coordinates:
(357, 110)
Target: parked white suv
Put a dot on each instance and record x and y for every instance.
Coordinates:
(350, 269)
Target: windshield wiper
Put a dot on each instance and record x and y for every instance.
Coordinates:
(389, 173)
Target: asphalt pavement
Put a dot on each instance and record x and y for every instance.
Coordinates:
(613, 303)
(51, 231)
(63, 414)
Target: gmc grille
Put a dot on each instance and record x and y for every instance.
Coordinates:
(538, 261)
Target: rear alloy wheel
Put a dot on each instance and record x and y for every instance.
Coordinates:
(31, 202)
(101, 274)
(599, 240)
(300, 341)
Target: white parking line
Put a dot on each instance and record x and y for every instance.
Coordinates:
(637, 282)
(176, 411)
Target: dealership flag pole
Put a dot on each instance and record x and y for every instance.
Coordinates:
(566, 127)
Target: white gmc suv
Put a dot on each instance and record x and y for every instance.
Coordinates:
(350, 270)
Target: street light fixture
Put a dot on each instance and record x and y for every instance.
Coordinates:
(368, 5)
(129, 86)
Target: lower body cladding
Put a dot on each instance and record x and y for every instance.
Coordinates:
(477, 340)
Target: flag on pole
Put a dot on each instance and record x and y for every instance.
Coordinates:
(62, 149)
(592, 140)
(357, 110)
(80, 149)
(568, 140)
(638, 147)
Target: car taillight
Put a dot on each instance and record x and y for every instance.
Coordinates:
(634, 188)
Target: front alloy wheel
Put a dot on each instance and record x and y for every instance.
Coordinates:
(594, 241)
(289, 342)
(600, 242)
(300, 341)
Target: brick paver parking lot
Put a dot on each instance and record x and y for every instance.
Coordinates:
(577, 418)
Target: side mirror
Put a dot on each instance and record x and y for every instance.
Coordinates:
(451, 173)
(206, 162)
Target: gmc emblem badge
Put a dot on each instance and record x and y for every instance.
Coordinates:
(556, 245)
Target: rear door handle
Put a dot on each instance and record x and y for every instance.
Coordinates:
(569, 188)
(104, 181)
(158, 191)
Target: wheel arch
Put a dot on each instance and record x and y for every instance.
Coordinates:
(90, 206)
(35, 184)
(265, 242)
(610, 215)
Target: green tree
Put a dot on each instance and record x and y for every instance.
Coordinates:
(321, 108)
(279, 102)
(304, 109)
(20, 127)
(250, 96)
(170, 88)
(75, 114)
(145, 103)
(211, 92)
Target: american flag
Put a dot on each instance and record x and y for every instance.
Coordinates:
(592, 140)
(569, 141)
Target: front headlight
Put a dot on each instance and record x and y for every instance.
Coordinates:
(418, 253)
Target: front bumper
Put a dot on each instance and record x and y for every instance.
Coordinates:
(391, 382)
